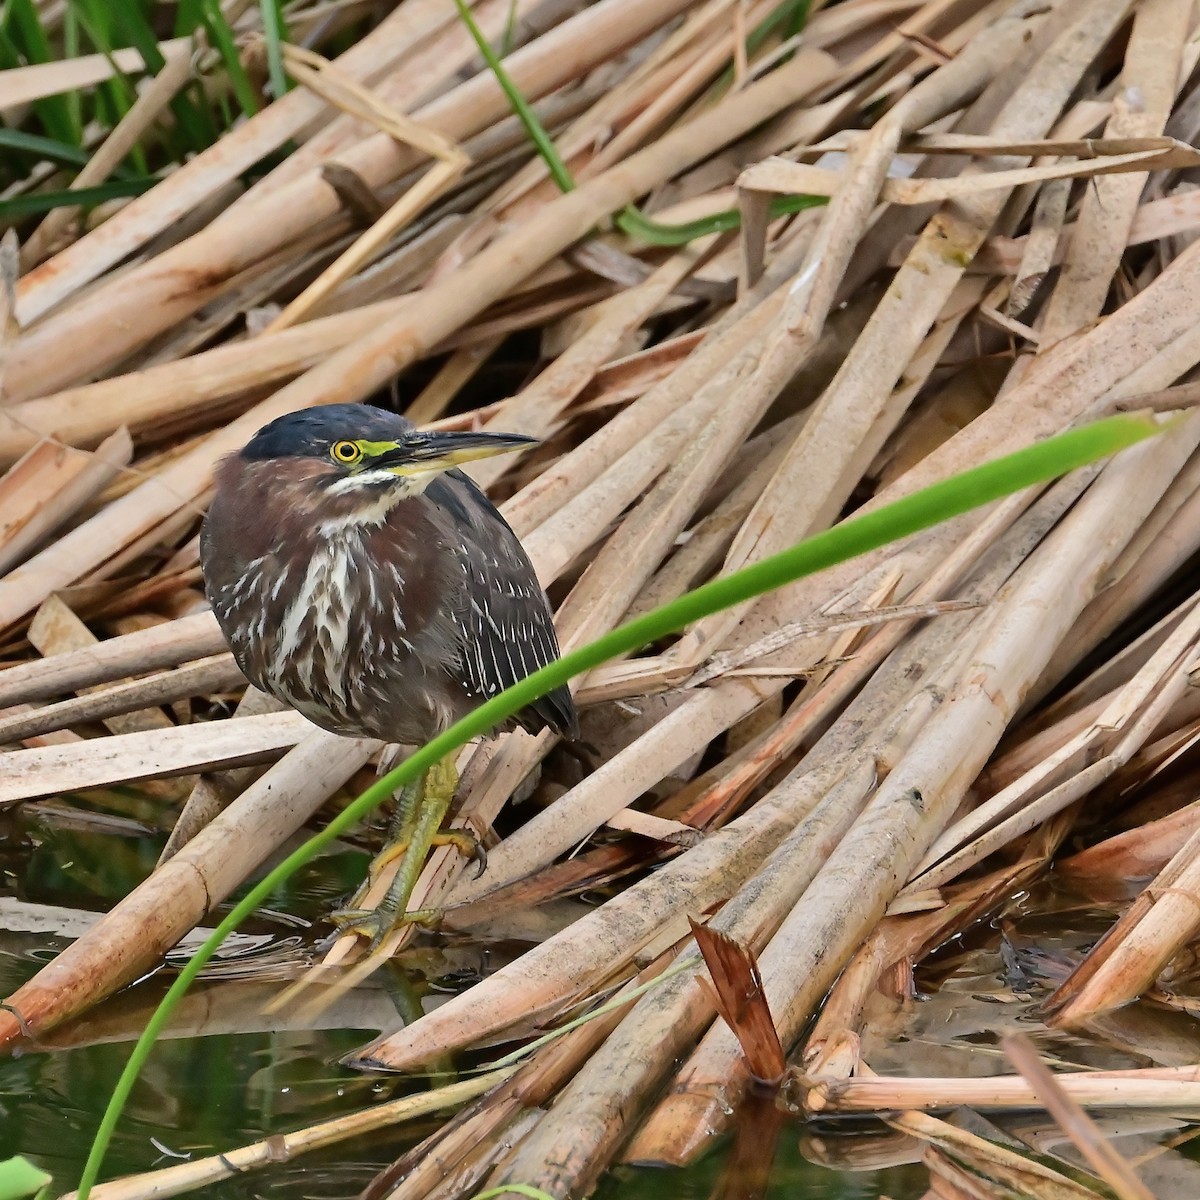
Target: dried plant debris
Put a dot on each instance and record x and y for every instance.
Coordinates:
(785, 263)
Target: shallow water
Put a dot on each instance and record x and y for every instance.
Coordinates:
(206, 1093)
(226, 1074)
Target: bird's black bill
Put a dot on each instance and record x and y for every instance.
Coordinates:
(444, 449)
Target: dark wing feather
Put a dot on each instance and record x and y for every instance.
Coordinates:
(507, 624)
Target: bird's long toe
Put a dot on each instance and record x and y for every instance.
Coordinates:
(467, 844)
(371, 923)
(375, 924)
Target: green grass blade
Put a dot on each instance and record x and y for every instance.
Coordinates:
(789, 18)
(275, 32)
(40, 148)
(189, 16)
(71, 49)
(39, 202)
(110, 25)
(855, 536)
(633, 222)
(24, 26)
(194, 132)
(534, 129)
(115, 96)
(126, 24)
(23, 40)
(796, 18)
(222, 39)
(509, 36)
(43, 147)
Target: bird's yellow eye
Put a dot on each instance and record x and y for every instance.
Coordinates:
(345, 453)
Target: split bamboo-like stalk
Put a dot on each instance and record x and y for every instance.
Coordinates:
(567, 966)
(1155, 1087)
(84, 414)
(564, 825)
(1138, 947)
(1128, 720)
(630, 1069)
(181, 750)
(536, 409)
(216, 674)
(134, 935)
(164, 645)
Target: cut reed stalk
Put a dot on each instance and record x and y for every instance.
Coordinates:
(140, 929)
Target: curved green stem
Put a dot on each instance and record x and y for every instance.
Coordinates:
(630, 220)
(852, 537)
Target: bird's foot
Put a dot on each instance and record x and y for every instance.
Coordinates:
(375, 924)
(369, 923)
(422, 813)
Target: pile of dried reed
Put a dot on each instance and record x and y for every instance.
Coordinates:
(1007, 249)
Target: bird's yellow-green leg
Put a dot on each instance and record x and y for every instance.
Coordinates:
(407, 805)
(419, 829)
(399, 834)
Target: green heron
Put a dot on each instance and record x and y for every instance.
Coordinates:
(360, 578)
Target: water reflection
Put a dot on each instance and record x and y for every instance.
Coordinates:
(229, 1071)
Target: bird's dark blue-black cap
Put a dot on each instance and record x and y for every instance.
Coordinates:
(309, 432)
